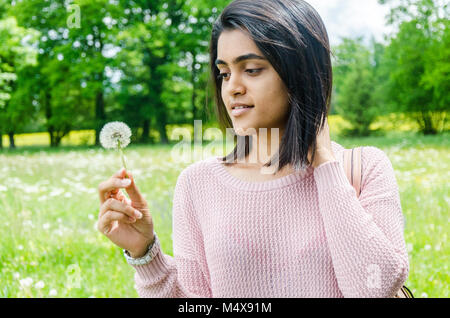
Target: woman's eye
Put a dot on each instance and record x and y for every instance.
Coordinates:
(222, 75)
(250, 71)
(255, 71)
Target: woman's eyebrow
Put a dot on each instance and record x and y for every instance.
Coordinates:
(239, 59)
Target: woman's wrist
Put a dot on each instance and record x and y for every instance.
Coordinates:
(145, 257)
(139, 254)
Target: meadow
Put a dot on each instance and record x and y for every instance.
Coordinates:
(49, 205)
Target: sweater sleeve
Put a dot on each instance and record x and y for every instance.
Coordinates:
(365, 234)
(185, 274)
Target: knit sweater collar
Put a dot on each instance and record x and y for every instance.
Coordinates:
(224, 176)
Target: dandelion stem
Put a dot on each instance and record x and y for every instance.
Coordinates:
(122, 157)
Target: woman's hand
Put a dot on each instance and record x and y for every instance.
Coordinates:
(324, 153)
(127, 223)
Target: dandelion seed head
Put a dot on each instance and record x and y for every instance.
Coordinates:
(115, 132)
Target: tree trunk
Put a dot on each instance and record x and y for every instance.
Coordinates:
(162, 122)
(48, 116)
(194, 109)
(59, 136)
(1, 140)
(145, 138)
(100, 115)
(11, 140)
(426, 123)
(161, 110)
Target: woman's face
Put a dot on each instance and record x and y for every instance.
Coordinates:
(251, 81)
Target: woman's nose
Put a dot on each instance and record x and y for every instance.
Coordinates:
(235, 86)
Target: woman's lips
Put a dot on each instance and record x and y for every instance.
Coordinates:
(242, 111)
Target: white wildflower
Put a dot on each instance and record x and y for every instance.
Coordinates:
(16, 275)
(42, 198)
(46, 226)
(39, 285)
(409, 247)
(28, 223)
(56, 192)
(53, 292)
(26, 282)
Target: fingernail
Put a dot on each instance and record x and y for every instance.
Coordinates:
(138, 214)
(126, 182)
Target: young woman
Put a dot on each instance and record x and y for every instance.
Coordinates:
(299, 231)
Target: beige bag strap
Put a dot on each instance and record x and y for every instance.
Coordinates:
(353, 169)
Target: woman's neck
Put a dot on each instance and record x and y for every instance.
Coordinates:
(265, 145)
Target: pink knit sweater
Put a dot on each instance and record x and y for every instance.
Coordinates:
(303, 235)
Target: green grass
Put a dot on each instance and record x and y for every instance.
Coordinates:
(49, 206)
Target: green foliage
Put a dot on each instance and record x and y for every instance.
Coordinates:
(17, 52)
(354, 76)
(411, 74)
(419, 60)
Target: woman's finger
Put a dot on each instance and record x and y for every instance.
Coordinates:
(115, 205)
(134, 193)
(111, 186)
(104, 224)
(120, 196)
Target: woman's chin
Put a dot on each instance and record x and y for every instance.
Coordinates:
(244, 131)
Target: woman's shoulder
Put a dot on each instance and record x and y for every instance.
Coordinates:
(373, 156)
(375, 162)
(369, 154)
(199, 169)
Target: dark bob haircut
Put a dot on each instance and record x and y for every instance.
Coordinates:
(292, 36)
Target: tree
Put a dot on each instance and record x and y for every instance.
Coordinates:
(354, 76)
(162, 60)
(419, 58)
(72, 64)
(16, 53)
